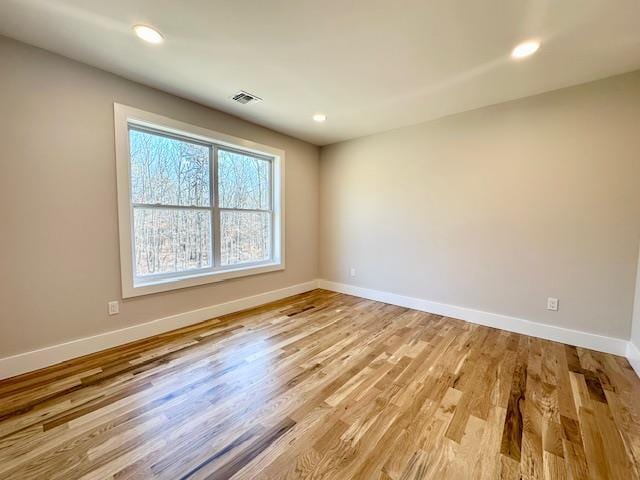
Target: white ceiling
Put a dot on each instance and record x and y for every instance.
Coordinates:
(370, 65)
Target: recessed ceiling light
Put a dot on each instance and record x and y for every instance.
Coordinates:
(319, 117)
(525, 49)
(148, 34)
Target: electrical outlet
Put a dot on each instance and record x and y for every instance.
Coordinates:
(352, 272)
(114, 308)
(552, 304)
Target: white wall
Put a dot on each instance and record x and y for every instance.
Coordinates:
(59, 232)
(498, 208)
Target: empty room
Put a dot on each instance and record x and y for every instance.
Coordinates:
(294, 239)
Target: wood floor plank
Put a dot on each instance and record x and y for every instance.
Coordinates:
(325, 385)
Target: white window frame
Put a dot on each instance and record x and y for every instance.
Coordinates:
(132, 286)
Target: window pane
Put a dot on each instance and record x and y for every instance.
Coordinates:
(168, 171)
(245, 236)
(243, 181)
(171, 240)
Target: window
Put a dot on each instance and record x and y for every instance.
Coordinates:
(195, 206)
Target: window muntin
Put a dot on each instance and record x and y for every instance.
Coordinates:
(187, 221)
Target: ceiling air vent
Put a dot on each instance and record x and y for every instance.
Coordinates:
(246, 97)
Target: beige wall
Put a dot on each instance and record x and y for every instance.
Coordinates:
(498, 208)
(494, 209)
(59, 235)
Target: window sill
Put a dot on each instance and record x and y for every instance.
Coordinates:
(168, 284)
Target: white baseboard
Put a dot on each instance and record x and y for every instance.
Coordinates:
(592, 341)
(44, 357)
(633, 355)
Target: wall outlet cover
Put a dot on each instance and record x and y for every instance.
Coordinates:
(114, 308)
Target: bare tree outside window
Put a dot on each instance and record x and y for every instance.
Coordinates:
(176, 215)
(245, 198)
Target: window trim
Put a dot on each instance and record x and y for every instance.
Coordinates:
(123, 117)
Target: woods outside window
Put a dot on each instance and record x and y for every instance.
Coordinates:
(195, 206)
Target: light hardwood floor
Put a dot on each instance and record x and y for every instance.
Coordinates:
(324, 385)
